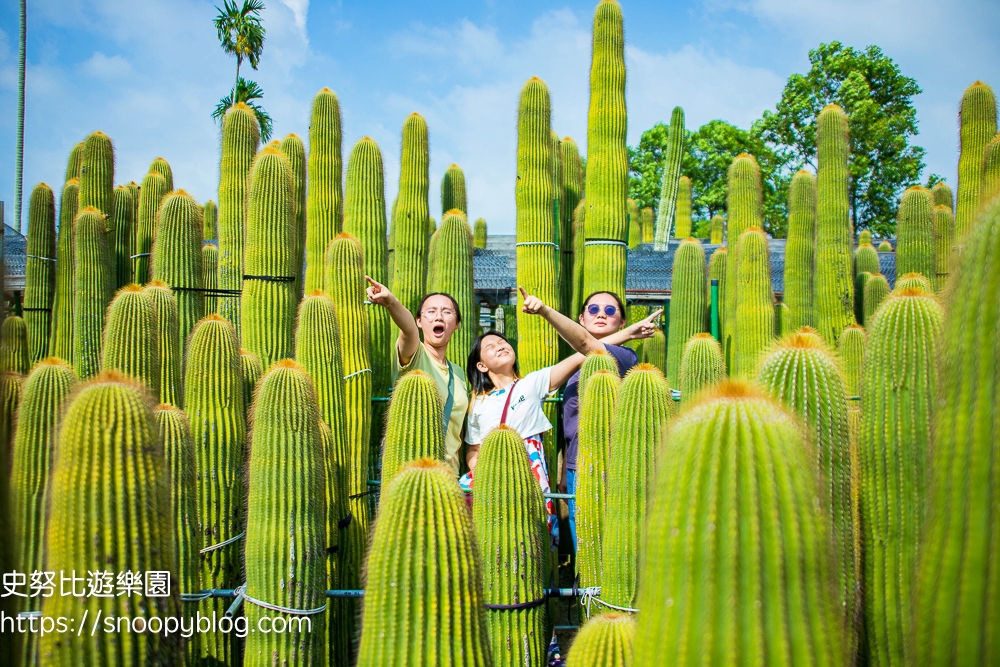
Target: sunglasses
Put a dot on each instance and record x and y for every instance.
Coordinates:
(609, 310)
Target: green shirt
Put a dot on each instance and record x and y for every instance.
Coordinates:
(423, 361)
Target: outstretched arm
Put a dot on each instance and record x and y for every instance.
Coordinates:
(409, 335)
(644, 328)
(578, 338)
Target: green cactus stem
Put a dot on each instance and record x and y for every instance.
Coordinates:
(851, 350)
(648, 220)
(744, 205)
(108, 436)
(718, 265)
(942, 195)
(754, 315)
(604, 641)
(634, 223)
(676, 135)
(409, 221)
(579, 247)
(682, 226)
(898, 394)
(295, 152)
(915, 244)
(718, 226)
(866, 259)
(10, 386)
(162, 167)
(990, 186)
(782, 323)
(15, 356)
(423, 506)
(453, 190)
(572, 191)
(605, 250)
(876, 290)
(325, 200)
(93, 280)
(130, 337)
(75, 161)
(171, 389)
(912, 281)
(123, 226)
(977, 118)
(654, 350)
(834, 283)
(454, 276)
(413, 426)
(641, 413)
(97, 174)
(860, 280)
(210, 276)
(719, 564)
(479, 234)
(944, 234)
(40, 270)
(515, 549)
(885, 246)
(252, 371)
(177, 257)
(688, 303)
(61, 339)
(151, 195)
(210, 216)
(701, 366)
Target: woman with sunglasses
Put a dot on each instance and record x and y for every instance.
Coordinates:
(501, 396)
(603, 317)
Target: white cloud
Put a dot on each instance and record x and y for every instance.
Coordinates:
(300, 9)
(101, 66)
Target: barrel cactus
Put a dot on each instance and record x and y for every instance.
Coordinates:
(885, 246)
(800, 249)
(40, 270)
(701, 366)
(130, 337)
(876, 290)
(851, 349)
(97, 174)
(654, 350)
(753, 326)
(912, 281)
(15, 356)
(915, 243)
(93, 284)
(453, 190)
(604, 641)
(941, 192)
(688, 303)
(413, 428)
(171, 389)
(177, 257)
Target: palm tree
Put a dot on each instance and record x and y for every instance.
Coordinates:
(19, 165)
(241, 31)
(246, 92)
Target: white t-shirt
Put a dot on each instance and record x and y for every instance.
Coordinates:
(525, 414)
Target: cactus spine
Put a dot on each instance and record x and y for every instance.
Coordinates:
(130, 342)
(990, 186)
(413, 426)
(409, 220)
(634, 223)
(597, 405)
(423, 505)
(151, 194)
(717, 228)
(97, 174)
(899, 390)
(15, 356)
(162, 167)
(647, 225)
(325, 203)
(834, 284)
(93, 283)
(108, 437)
(40, 270)
(453, 190)
(799, 250)
(177, 257)
(733, 450)
(865, 259)
(286, 526)
(210, 276)
(61, 341)
(75, 161)
(479, 234)
(753, 326)
(641, 413)
(942, 197)
(743, 202)
(215, 407)
(123, 226)
(579, 247)
(915, 244)
(515, 549)
(851, 349)
(572, 190)
(912, 281)
(977, 120)
(210, 216)
(944, 234)
(295, 152)
(676, 135)
(607, 156)
(688, 303)
(682, 228)
(240, 137)
(876, 290)
(171, 389)
(269, 298)
(454, 276)
(604, 641)
(701, 366)
(252, 371)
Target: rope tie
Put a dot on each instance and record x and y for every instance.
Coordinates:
(591, 594)
(210, 291)
(142, 254)
(518, 245)
(516, 607)
(226, 543)
(31, 310)
(363, 370)
(346, 521)
(44, 259)
(272, 279)
(242, 592)
(604, 242)
(196, 597)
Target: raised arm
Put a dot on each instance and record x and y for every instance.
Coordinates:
(644, 328)
(572, 332)
(409, 335)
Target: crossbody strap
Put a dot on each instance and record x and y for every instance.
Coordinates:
(450, 403)
(510, 393)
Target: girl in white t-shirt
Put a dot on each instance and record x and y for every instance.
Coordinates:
(501, 396)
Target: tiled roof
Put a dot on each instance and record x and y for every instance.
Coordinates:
(887, 265)
(14, 248)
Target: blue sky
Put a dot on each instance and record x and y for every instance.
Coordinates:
(149, 72)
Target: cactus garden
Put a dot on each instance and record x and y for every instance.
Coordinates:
(244, 429)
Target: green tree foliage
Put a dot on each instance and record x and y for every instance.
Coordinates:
(241, 33)
(878, 100)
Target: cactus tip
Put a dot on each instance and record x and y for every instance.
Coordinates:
(428, 463)
(703, 335)
(315, 294)
(157, 283)
(805, 338)
(73, 181)
(453, 166)
(54, 361)
(131, 287)
(910, 291)
(168, 407)
(455, 211)
(285, 363)
(214, 317)
(734, 389)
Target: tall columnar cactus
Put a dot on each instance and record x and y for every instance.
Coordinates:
(10, 387)
(688, 303)
(604, 641)
(990, 186)
(682, 226)
(61, 339)
(210, 217)
(40, 270)
(432, 261)
(782, 323)
(515, 549)
(864, 237)
(860, 280)
(718, 266)
(454, 276)
(802, 374)
(124, 226)
(834, 283)
(171, 389)
(75, 161)
(97, 174)
(177, 259)
(413, 427)
(325, 203)
(597, 406)
(634, 223)
(130, 337)
(345, 286)
(915, 244)
(479, 234)
(701, 366)
(409, 221)
(295, 152)
(162, 167)
(641, 413)
(744, 204)
(799, 250)
(753, 323)
(954, 624)
(942, 196)
(977, 120)
(453, 190)
(579, 255)
(676, 134)
(718, 226)
(898, 394)
(252, 371)
(423, 505)
(557, 199)
(10, 394)
(269, 296)
(876, 290)
(286, 526)
(648, 220)
(93, 280)
(210, 276)
(605, 250)
(572, 191)
(151, 195)
(865, 259)
(717, 562)
(109, 438)
(213, 400)
(240, 137)
(851, 350)
(178, 450)
(944, 234)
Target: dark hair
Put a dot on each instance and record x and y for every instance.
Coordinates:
(480, 381)
(621, 306)
(458, 311)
